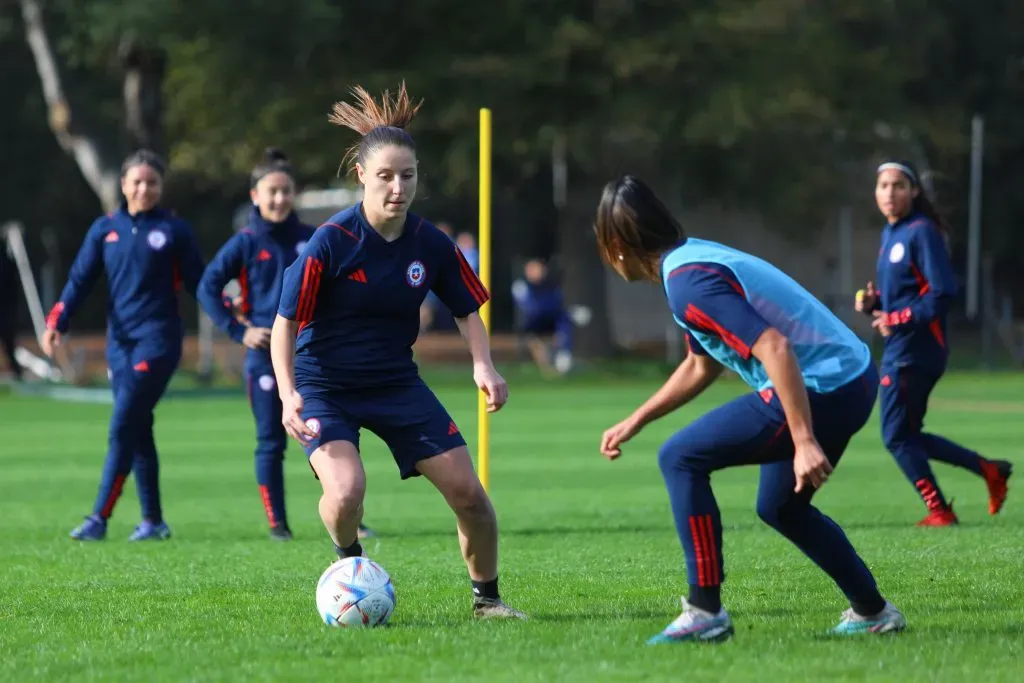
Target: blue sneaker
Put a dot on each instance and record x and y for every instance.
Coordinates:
(889, 620)
(696, 625)
(147, 531)
(92, 529)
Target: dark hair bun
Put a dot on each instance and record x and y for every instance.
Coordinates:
(273, 155)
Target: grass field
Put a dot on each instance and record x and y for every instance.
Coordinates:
(588, 550)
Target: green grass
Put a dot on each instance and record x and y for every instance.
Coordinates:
(588, 549)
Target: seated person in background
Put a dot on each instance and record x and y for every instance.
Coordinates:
(541, 305)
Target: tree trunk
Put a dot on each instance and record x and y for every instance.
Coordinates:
(101, 176)
(144, 69)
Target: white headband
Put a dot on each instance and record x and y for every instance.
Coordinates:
(894, 166)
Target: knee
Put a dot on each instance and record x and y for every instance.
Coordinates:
(896, 440)
(345, 497)
(270, 447)
(673, 456)
(782, 512)
(770, 512)
(468, 498)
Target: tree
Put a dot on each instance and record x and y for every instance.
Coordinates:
(143, 79)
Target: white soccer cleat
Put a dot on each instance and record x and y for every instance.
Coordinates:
(697, 625)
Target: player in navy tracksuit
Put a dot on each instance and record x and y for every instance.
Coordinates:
(353, 299)
(915, 286)
(257, 257)
(814, 388)
(542, 306)
(148, 254)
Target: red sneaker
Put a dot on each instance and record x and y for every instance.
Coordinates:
(940, 517)
(997, 474)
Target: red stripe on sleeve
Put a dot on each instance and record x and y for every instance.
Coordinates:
(700, 319)
(935, 327)
(308, 293)
(243, 284)
(472, 282)
(54, 316)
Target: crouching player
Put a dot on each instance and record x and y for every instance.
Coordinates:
(814, 388)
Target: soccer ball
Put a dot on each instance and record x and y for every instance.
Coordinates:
(355, 592)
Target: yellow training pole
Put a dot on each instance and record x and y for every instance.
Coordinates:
(483, 417)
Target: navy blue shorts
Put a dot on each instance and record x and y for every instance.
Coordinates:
(409, 419)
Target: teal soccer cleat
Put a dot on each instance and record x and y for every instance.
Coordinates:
(889, 620)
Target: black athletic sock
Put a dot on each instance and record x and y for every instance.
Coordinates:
(486, 589)
(870, 607)
(354, 550)
(707, 598)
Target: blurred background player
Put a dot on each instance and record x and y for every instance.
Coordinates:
(353, 298)
(148, 255)
(814, 385)
(434, 315)
(9, 307)
(257, 257)
(467, 245)
(909, 307)
(541, 306)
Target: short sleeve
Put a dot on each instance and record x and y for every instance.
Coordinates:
(300, 288)
(457, 285)
(708, 297)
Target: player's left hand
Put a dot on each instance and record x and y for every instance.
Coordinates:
(880, 323)
(492, 384)
(810, 465)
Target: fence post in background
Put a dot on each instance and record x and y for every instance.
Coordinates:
(51, 266)
(974, 216)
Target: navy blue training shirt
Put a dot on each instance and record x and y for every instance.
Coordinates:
(257, 257)
(148, 258)
(916, 284)
(357, 297)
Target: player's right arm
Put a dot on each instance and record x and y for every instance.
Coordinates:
(300, 292)
(224, 267)
(81, 278)
(696, 373)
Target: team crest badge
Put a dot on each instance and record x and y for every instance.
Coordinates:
(266, 382)
(313, 424)
(897, 252)
(299, 247)
(157, 239)
(416, 273)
